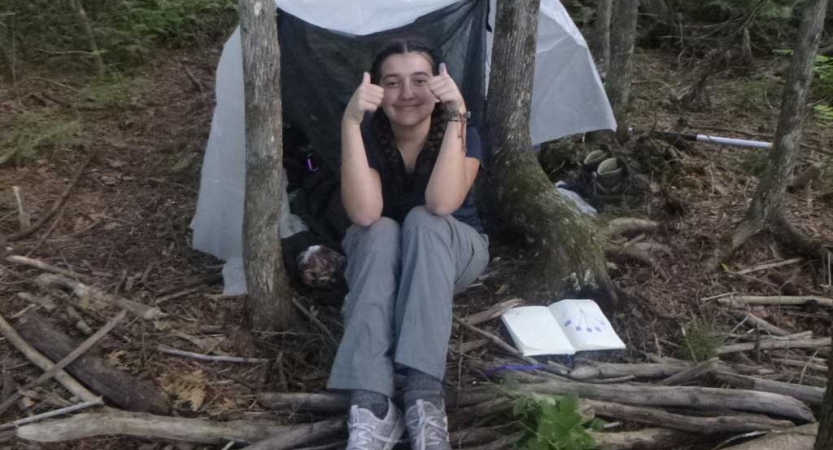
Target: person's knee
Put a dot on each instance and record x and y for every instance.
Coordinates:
(420, 217)
(384, 233)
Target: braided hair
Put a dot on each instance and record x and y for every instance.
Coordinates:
(400, 181)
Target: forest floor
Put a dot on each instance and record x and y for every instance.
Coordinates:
(125, 229)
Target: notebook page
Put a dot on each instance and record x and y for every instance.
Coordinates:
(535, 331)
(585, 325)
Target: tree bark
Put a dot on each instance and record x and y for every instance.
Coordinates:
(622, 39)
(268, 305)
(601, 35)
(766, 208)
(88, 32)
(824, 441)
(571, 259)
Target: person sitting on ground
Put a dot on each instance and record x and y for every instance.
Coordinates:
(409, 160)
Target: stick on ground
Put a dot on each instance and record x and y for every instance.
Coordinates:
(63, 198)
(45, 363)
(149, 426)
(67, 360)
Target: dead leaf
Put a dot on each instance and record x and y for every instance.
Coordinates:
(187, 388)
(115, 359)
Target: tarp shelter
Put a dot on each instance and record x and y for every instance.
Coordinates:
(327, 44)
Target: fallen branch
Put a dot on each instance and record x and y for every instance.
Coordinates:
(51, 414)
(176, 295)
(99, 298)
(496, 340)
(202, 357)
(798, 438)
(149, 426)
(44, 363)
(67, 360)
(768, 266)
(321, 327)
(44, 302)
(197, 281)
(492, 313)
(691, 373)
(612, 370)
(470, 346)
(704, 425)
(17, 259)
(646, 439)
(810, 365)
(504, 443)
(807, 394)
(759, 323)
(692, 397)
(118, 387)
(300, 435)
(775, 343)
(22, 214)
(741, 300)
(320, 403)
(474, 436)
(63, 198)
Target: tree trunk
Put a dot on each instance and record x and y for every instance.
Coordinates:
(88, 31)
(622, 38)
(766, 208)
(571, 258)
(7, 43)
(824, 441)
(268, 305)
(601, 36)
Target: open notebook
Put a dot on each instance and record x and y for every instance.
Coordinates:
(563, 328)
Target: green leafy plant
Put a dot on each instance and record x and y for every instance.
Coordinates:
(30, 133)
(700, 342)
(552, 423)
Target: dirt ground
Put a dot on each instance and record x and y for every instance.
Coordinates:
(125, 229)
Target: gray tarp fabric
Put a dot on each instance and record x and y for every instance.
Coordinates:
(321, 67)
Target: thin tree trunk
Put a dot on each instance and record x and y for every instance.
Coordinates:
(268, 305)
(601, 37)
(7, 43)
(766, 208)
(622, 39)
(571, 258)
(88, 31)
(824, 441)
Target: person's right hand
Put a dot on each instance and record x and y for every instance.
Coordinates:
(367, 98)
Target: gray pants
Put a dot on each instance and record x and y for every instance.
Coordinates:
(398, 310)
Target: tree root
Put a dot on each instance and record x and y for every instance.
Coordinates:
(784, 232)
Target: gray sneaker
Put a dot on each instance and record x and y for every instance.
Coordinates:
(427, 426)
(367, 432)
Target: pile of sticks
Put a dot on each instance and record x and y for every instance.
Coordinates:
(660, 394)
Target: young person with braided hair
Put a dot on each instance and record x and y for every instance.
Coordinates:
(409, 160)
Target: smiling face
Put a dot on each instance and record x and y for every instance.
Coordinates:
(407, 101)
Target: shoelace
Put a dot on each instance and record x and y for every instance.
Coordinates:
(430, 430)
(362, 435)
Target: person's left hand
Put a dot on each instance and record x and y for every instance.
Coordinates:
(445, 89)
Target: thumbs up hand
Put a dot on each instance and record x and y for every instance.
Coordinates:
(367, 98)
(446, 91)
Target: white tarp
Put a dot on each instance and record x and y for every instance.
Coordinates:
(567, 98)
